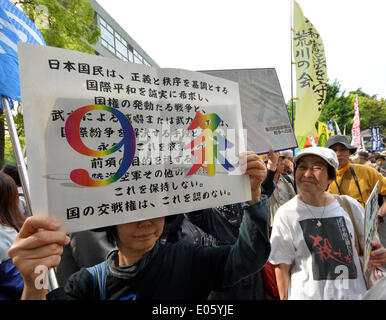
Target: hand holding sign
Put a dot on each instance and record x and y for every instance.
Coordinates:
(378, 254)
(255, 168)
(38, 244)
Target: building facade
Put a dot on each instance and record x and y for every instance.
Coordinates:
(115, 42)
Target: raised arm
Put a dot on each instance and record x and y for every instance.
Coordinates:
(252, 248)
(268, 184)
(256, 171)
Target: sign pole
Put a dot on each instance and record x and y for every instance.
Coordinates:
(52, 281)
(292, 77)
(292, 85)
(17, 150)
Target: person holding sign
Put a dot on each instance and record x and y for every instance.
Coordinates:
(312, 242)
(144, 268)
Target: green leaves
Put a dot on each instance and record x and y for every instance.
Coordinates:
(340, 106)
(70, 23)
(67, 24)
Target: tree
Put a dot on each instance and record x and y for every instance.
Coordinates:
(337, 106)
(340, 106)
(67, 24)
(289, 109)
(372, 112)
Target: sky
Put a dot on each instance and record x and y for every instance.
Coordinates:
(246, 34)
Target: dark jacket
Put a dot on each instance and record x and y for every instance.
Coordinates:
(11, 282)
(223, 223)
(182, 271)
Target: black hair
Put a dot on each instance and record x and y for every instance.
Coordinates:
(111, 233)
(12, 171)
(331, 172)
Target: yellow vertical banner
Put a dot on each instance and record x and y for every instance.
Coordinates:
(311, 74)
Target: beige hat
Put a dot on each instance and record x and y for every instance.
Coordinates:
(326, 154)
(354, 158)
(286, 153)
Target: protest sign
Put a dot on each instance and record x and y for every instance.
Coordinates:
(110, 142)
(371, 224)
(356, 126)
(264, 112)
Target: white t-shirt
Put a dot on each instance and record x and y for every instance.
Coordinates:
(325, 263)
(7, 235)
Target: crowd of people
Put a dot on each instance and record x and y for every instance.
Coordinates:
(300, 237)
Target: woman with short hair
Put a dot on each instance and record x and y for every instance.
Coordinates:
(313, 237)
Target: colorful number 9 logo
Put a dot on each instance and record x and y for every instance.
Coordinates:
(72, 130)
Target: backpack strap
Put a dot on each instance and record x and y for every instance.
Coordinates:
(98, 273)
(346, 207)
(357, 183)
(290, 180)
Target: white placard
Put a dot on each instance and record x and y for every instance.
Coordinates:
(371, 224)
(264, 112)
(109, 142)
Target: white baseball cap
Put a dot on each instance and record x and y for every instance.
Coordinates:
(325, 153)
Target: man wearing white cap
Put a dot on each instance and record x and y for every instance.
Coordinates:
(312, 242)
(354, 180)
